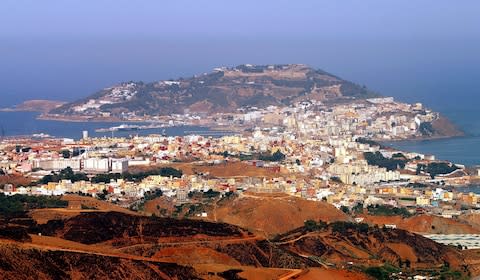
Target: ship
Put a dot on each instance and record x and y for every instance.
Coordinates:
(122, 127)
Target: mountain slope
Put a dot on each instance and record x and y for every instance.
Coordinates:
(223, 90)
(275, 214)
(21, 263)
(147, 247)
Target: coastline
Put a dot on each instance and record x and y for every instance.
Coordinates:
(421, 139)
(42, 116)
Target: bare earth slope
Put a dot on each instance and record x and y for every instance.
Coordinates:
(424, 224)
(20, 263)
(113, 245)
(274, 214)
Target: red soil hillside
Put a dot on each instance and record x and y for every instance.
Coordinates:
(340, 243)
(113, 245)
(22, 263)
(423, 224)
(472, 219)
(274, 214)
(330, 274)
(231, 169)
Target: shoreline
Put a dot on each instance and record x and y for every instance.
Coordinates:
(42, 117)
(45, 117)
(421, 139)
(217, 128)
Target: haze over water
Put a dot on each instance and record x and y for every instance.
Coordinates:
(412, 50)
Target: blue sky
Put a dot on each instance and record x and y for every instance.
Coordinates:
(424, 50)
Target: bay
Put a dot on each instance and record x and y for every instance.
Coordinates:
(461, 150)
(26, 123)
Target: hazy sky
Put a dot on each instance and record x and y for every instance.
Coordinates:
(414, 50)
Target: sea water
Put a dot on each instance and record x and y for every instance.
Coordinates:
(463, 150)
(26, 123)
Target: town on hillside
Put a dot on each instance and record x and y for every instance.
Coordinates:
(308, 150)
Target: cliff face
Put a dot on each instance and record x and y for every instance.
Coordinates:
(443, 127)
(224, 90)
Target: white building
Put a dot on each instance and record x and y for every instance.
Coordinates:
(96, 165)
(56, 164)
(119, 165)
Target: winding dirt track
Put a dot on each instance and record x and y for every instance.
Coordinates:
(202, 242)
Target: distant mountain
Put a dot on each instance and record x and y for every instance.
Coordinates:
(223, 90)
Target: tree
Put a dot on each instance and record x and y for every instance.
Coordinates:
(65, 153)
(379, 160)
(336, 179)
(345, 209)
(358, 209)
(65, 174)
(310, 225)
(436, 168)
(426, 129)
(277, 156)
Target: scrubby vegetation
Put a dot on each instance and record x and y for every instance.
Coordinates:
(277, 156)
(267, 156)
(383, 210)
(65, 174)
(436, 168)
(311, 225)
(69, 174)
(368, 141)
(344, 227)
(426, 129)
(137, 177)
(381, 272)
(389, 163)
(11, 205)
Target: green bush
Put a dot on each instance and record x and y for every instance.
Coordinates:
(379, 160)
(65, 174)
(383, 210)
(10, 205)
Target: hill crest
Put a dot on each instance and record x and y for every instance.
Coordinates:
(220, 91)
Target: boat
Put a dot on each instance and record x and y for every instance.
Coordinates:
(126, 127)
(122, 127)
(41, 135)
(130, 127)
